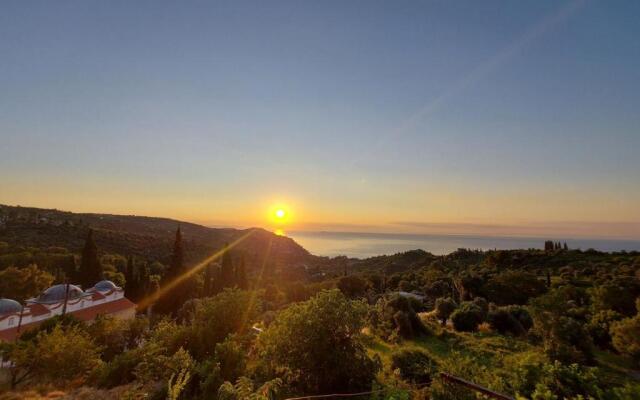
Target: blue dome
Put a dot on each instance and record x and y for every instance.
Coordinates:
(57, 293)
(8, 306)
(105, 286)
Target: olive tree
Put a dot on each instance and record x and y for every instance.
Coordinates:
(316, 346)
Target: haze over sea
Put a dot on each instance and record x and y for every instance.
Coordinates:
(362, 245)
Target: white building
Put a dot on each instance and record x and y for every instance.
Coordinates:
(105, 298)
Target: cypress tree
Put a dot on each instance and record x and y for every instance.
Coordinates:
(227, 272)
(90, 268)
(130, 279)
(142, 281)
(176, 268)
(209, 275)
(241, 275)
(172, 299)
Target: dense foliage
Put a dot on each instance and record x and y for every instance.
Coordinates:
(534, 324)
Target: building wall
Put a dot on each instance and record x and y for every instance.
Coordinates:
(29, 316)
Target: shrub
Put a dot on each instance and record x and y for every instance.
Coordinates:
(231, 357)
(502, 321)
(397, 316)
(625, 336)
(467, 317)
(521, 314)
(57, 357)
(120, 370)
(353, 286)
(403, 324)
(513, 287)
(600, 325)
(568, 382)
(445, 306)
(414, 365)
(569, 342)
(481, 302)
(510, 319)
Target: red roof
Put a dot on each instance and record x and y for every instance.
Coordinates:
(87, 314)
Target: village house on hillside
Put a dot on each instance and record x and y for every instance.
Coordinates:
(105, 298)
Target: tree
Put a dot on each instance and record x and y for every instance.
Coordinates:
(352, 286)
(413, 365)
(445, 306)
(241, 275)
(57, 357)
(177, 288)
(573, 381)
(599, 327)
(22, 283)
(316, 346)
(618, 295)
(564, 338)
(211, 275)
(90, 271)
(502, 321)
(214, 318)
(226, 270)
(625, 336)
(513, 287)
(232, 359)
(130, 283)
(467, 317)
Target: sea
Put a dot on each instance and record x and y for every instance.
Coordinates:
(363, 245)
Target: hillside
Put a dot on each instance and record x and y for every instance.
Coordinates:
(147, 237)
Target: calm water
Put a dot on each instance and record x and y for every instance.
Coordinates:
(362, 245)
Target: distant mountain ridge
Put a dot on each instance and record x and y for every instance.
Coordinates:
(145, 237)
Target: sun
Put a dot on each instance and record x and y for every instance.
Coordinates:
(280, 214)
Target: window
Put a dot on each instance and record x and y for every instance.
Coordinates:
(12, 321)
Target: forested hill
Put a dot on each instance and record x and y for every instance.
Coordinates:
(146, 237)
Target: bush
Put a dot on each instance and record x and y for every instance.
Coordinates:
(568, 382)
(510, 319)
(513, 287)
(414, 365)
(397, 316)
(625, 336)
(231, 357)
(58, 356)
(481, 302)
(445, 306)
(120, 370)
(352, 286)
(403, 324)
(214, 318)
(569, 342)
(600, 325)
(467, 317)
(503, 322)
(522, 315)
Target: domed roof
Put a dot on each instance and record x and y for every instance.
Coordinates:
(57, 293)
(8, 306)
(105, 286)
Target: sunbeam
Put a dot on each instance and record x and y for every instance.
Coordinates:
(149, 300)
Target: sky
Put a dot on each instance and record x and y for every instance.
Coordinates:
(386, 116)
